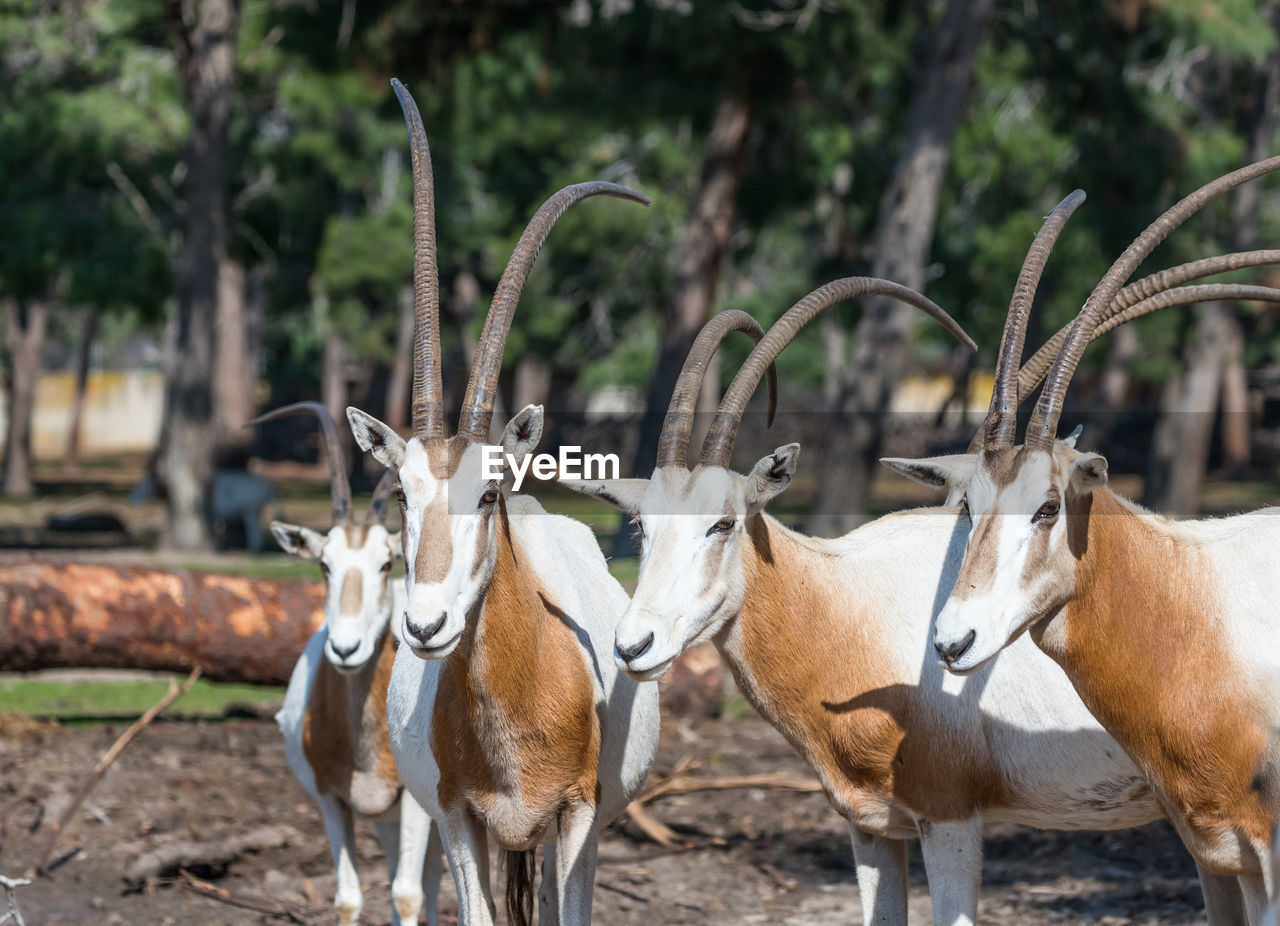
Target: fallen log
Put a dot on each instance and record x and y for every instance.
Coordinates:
(167, 859)
(77, 615)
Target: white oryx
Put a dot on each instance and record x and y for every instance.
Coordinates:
(1168, 630)
(831, 641)
(334, 717)
(507, 716)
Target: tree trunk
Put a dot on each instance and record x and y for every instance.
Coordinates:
(71, 456)
(69, 615)
(204, 36)
(1214, 360)
(333, 386)
(233, 371)
(904, 230)
(25, 322)
(532, 384)
(398, 383)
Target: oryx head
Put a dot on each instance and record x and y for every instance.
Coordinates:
(699, 529)
(355, 557)
(452, 497)
(1029, 506)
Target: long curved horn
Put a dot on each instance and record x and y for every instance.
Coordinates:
(673, 444)
(428, 390)
(718, 447)
(1138, 297)
(1044, 419)
(1033, 372)
(377, 513)
(482, 387)
(339, 488)
(1002, 417)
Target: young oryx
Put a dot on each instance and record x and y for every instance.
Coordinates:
(1168, 630)
(830, 640)
(507, 716)
(334, 718)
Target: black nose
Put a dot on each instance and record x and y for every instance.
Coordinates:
(344, 653)
(953, 651)
(630, 653)
(423, 634)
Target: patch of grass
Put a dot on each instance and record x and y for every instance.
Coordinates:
(94, 699)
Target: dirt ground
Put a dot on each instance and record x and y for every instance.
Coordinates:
(755, 856)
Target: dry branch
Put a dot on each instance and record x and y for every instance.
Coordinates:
(222, 895)
(682, 781)
(108, 757)
(72, 615)
(167, 859)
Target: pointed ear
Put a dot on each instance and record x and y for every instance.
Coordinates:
(300, 541)
(623, 494)
(945, 472)
(1070, 439)
(770, 476)
(376, 438)
(522, 433)
(1088, 472)
(396, 544)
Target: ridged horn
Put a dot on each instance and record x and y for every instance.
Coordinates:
(339, 488)
(477, 405)
(1138, 297)
(718, 448)
(428, 390)
(673, 444)
(377, 513)
(1002, 417)
(1044, 419)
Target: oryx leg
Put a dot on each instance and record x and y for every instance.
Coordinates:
(881, 865)
(432, 873)
(953, 863)
(467, 845)
(575, 861)
(340, 826)
(1223, 904)
(1254, 890)
(548, 889)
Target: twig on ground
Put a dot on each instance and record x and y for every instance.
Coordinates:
(12, 912)
(222, 895)
(108, 757)
(681, 781)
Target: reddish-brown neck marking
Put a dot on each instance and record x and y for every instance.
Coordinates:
(515, 704)
(812, 663)
(1143, 644)
(344, 732)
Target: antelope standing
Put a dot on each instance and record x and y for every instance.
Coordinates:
(829, 640)
(1167, 630)
(507, 717)
(334, 717)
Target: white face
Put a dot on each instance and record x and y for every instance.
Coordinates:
(690, 581)
(1026, 520)
(450, 546)
(356, 561)
(691, 528)
(452, 512)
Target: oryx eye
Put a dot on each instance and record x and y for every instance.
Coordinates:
(386, 567)
(639, 527)
(324, 569)
(964, 506)
(1046, 512)
(490, 496)
(398, 492)
(723, 526)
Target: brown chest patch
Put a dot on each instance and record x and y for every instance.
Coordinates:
(515, 714)
(1146, 653)
(814, 667)
(344, 734)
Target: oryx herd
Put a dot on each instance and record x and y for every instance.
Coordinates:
(506, 692)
